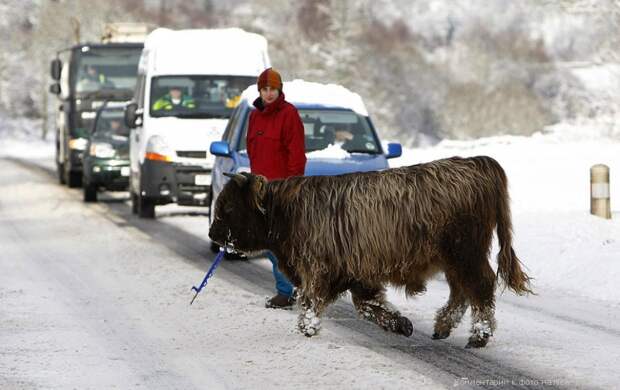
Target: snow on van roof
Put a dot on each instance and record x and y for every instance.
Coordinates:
(229, 51)
(306, 92)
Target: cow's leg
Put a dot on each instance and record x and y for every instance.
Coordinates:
(308, 321)
(482, 301)
(450, 315)
(372, 305)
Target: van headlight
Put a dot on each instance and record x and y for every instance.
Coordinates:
(157, 149)
(102, 150)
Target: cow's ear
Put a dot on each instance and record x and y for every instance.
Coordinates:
(259, 187)
(237, 178)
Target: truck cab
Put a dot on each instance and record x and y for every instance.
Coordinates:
(85, 76)
(189, 81)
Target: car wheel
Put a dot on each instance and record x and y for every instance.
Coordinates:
(214, 247)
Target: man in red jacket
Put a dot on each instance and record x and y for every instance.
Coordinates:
(276, 150)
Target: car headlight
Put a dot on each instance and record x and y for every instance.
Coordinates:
(157, 149)
(78, 143)
(102, 150)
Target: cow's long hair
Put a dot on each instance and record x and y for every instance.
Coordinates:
(397, 226)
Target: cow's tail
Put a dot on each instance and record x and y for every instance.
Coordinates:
(508, 265)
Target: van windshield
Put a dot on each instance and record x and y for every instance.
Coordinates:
(329, 128)
(196, 96)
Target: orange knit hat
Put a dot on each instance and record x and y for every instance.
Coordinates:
(270, 77)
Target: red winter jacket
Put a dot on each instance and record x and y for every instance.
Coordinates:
(276, 140)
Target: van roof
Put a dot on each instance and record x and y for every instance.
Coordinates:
(229, 51)
(305, 93)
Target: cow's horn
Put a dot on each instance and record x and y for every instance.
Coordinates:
(238, 178)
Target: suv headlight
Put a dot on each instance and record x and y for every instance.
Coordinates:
(102, 150)
(157, 149)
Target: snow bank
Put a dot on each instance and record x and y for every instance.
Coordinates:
(305, 92)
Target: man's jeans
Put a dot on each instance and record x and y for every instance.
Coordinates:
(283, 286)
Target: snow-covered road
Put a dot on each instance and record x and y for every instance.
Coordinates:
(93, 297)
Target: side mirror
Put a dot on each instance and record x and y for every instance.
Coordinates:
(55, 89)
(394, 150)
(220, 148)
(133, 116)
(55, 68)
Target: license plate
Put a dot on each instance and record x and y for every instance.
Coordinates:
(124, 171)
(202, 180)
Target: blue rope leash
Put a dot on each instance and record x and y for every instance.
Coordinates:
(210, 273)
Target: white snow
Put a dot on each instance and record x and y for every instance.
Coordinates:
(306, 92)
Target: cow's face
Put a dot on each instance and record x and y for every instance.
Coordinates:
(239, 221)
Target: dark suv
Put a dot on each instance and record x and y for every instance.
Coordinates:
(106, 157)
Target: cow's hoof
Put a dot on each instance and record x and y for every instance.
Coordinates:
(309, 324)
(440, 335)
(405, 327)
(478, 341)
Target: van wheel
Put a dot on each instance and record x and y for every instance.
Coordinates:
(90, 193)
(146, 207)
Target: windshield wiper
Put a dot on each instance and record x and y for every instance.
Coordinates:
(366, 151)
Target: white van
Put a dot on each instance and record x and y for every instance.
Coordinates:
(189, 81)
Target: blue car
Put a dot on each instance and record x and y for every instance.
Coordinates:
(339, 135)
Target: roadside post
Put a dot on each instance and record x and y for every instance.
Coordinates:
(599, 191)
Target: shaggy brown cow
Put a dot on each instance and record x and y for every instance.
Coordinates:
(361, 231)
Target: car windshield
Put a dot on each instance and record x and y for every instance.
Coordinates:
(110, 124)
(328, 128)
(107, 69)
(196, 96)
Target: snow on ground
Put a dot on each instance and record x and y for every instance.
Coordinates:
(562, 246)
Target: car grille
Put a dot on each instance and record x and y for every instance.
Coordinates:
(192, 153)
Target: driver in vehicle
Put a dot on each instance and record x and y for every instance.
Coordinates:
(92, 79)
(175, 98)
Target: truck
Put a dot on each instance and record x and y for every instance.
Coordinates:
(189, 81)
(85, 76)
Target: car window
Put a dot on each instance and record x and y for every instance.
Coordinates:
(110, 124)
(325, 128)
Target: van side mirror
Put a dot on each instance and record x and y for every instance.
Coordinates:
(55, 68)
(55, 89)
(394, 150)
(220, 148)
(133, 116)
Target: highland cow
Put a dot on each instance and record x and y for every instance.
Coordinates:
(362, 231)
